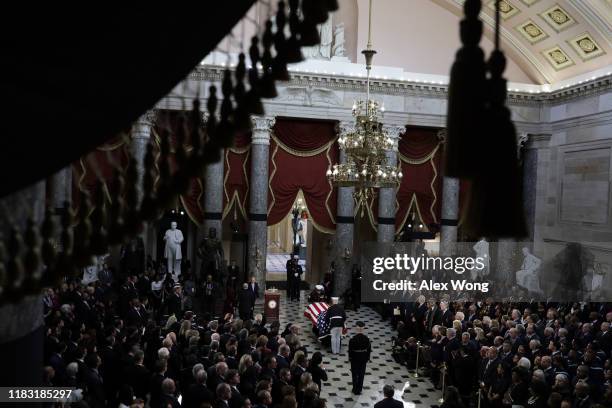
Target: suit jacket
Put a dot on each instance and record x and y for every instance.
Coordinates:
(254, 289)
(168, 400)
(389, 403)
(138, 377)
(134, 318)
(197, 394)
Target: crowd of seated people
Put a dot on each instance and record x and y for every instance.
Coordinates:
(510, 354)
(138, 343)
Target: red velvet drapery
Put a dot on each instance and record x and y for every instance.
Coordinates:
(237, 169)
(420, 192)
(301, 151)
(96, 170)
(169, 123)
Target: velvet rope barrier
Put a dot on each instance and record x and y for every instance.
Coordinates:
(237, 168)
(301, 151)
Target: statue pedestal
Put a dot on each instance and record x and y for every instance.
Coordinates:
(272, 305)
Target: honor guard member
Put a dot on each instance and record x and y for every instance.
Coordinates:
(359, 355)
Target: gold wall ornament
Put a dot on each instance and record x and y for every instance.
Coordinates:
(586, 47)
(558, 18)
(531, 31)
(506, 8)
(557, 58)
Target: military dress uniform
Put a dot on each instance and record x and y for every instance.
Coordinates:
(359, 354)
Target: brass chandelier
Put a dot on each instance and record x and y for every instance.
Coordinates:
(366, 147)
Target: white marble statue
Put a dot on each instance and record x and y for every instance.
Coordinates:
(338, 49)
(299, 233)
(482, 251)
(172, 252)
(324, 49)
(528, 277)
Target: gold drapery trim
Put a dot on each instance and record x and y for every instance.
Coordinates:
(433, 190)
(198, 200)
(239, 150)
(273, 201)
(300, 153)
(331, 190)
(413, 201)
(115, 146)
(235, 199)
(420, 160)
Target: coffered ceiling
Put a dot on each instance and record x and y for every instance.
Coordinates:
(551, 40)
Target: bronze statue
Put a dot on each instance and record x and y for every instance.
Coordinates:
(210, 252)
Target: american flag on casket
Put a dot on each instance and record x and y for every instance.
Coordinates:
(317, 314)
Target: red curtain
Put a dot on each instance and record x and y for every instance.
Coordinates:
(237, 169)
(170, 122)
(420, 192)
(96, 170)
(301, 151)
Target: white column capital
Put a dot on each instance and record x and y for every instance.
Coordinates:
(394, 132)
(141, 129)
(262, 126)
(533, 141)
(345, 127)
(441, 135)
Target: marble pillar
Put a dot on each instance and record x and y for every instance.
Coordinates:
(386, 196)
(60, 189)
(345, 229)
(213, 199)
(450, 216)
(530, 148)
(141, 137)
(258, 198)
(21, 322)
(505, 259)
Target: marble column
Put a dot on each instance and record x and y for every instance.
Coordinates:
(386, 196)
(530, 146)
(60, 189)
(345, 229)
(21, 322)
(450, 216)
(258, 198)
(505, 267)
(141, 137)
(213, 199)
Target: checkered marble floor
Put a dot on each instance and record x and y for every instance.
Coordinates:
(414, 392)
(276, 266)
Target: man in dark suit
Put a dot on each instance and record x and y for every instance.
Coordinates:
(433, 316)
(233, 273)
(284, 380)
(198, 392)
(282, 358)
(173, 303)
(210, 293)
(156, 381)
(254, 289)
(134, 315)
(488, 368)
(168, 398)
(245, 302)
(138, 376)
(446, 315)
(388, 401)
(93, 382)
